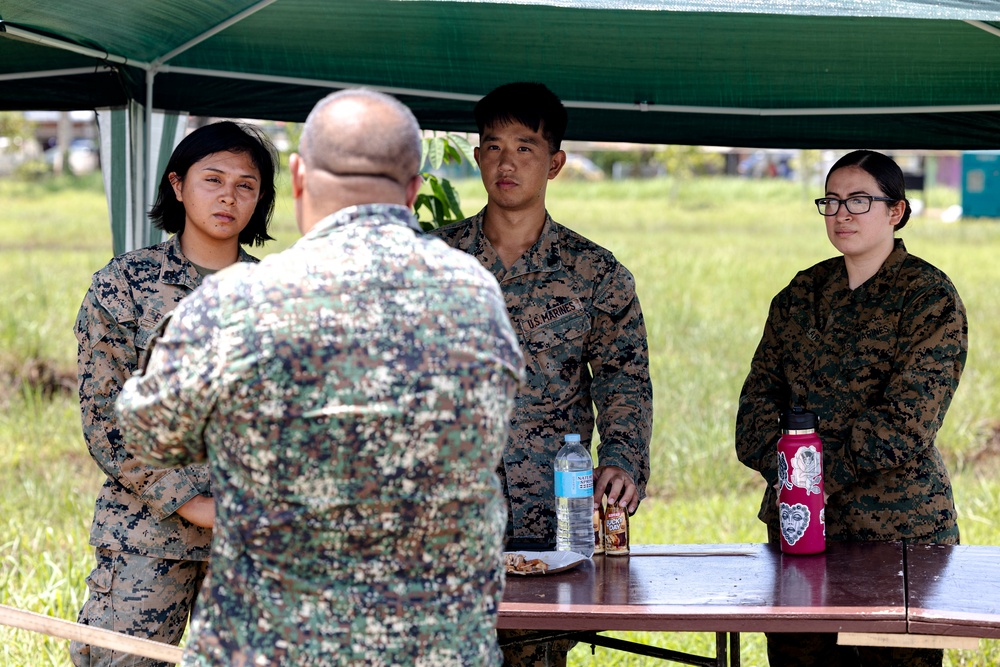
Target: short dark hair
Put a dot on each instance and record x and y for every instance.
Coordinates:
(223, 137)
(886, 173)
(530, 104)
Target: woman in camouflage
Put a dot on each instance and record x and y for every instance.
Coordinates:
(152, 527)
(874, 342)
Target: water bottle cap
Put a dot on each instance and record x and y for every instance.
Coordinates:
(798, 419)
(572, 437)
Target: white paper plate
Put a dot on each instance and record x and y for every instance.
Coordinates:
(558, 561)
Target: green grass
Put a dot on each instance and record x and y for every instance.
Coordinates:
(707, 261)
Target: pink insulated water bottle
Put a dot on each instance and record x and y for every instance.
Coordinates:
(800, 474)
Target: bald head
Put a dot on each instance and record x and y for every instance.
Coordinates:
(362, 133)
(357, 147)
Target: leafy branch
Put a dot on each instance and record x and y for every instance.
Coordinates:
(442, 201)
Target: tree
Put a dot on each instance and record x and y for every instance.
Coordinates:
(683, 162)
(15, 127)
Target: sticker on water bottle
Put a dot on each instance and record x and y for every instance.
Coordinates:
(575, 484)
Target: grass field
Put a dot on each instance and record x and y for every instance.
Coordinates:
(707, 262)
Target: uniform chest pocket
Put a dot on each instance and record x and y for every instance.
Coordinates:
(555, 353)
(151, 327)
(866, 376)
(143, 336)
(558, 333)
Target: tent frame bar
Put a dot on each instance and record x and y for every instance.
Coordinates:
(42, 74)
(30, 36)
(638, 106)
(986, 27)
(236, 18)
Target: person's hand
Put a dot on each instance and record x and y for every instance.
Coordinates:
(618, 486)
(200, 511)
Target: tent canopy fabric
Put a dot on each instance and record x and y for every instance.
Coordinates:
(767, 73)
(763, 73)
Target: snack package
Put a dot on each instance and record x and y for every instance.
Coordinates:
(616, 530)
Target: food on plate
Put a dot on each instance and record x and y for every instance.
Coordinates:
(516, 563)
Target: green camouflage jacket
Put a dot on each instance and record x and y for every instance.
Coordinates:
(879, 366)
(578, 320)
(125, 304)
(352, 396)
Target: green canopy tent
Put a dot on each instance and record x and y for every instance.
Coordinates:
(763, 73)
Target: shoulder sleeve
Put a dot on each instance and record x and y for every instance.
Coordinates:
(928, 363)
(622, 392)
(765, 393)
(618, 292)
(106, 356)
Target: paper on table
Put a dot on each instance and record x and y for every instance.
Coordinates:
(558, 561)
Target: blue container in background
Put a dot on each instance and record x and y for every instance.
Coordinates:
(981, 184)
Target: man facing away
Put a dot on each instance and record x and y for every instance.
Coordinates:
(577, 318)
(352, 396)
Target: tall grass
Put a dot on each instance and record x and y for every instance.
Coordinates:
(707, 261)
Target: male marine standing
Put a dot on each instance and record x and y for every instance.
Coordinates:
(352, 396)
(577, 318)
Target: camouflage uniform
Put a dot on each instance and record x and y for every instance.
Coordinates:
(352, 396)
(137, 536)
(879, 366)
(577, 317)
(578, 320)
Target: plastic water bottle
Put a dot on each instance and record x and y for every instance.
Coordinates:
(574, 498)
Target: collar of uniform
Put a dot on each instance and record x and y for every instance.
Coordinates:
(885, 277)
(391, 214)
(483, 249)
(543, 256)
(837, 292)
(178, 269)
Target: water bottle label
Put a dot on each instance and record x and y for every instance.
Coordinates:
(575, 484)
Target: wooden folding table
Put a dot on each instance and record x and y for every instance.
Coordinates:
(724, 589)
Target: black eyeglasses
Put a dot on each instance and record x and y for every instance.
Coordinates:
(857, 204)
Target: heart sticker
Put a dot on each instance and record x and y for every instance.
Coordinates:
(794, 521)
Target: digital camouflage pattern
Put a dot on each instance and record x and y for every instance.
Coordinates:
(352, 396)
(121, 311)
(121, 588)
(579, 323)
(134, 513)
(879, 366)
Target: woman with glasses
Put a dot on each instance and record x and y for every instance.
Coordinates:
(874, 342)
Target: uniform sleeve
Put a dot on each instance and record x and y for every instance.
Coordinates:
(621, 389)
(164, 411)
(764, 395)
(930, 357)
(106, 329)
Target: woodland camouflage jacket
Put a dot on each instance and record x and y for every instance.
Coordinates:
(578, 320)
(879, 366)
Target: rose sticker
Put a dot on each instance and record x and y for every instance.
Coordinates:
(807, 469)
